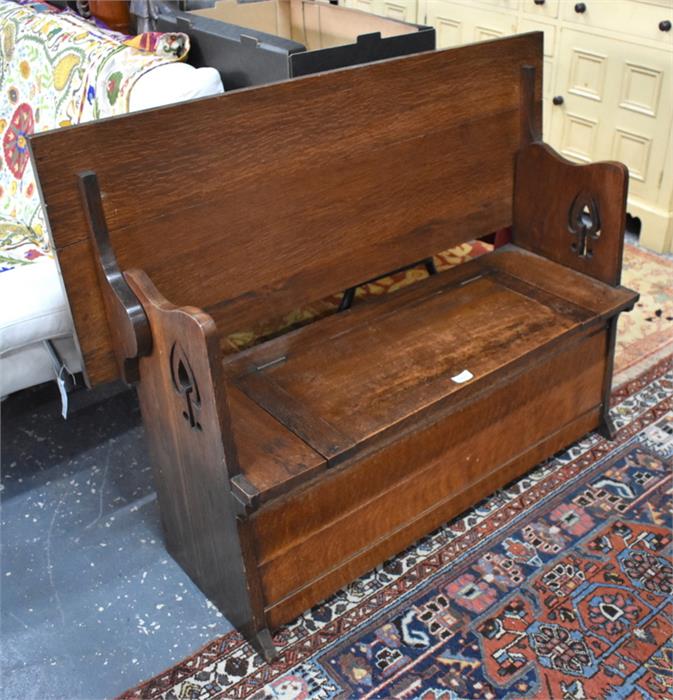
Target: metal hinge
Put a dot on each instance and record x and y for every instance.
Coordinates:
(244, 493)
(271, 363)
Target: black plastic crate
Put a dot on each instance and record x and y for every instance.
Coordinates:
(254, 43)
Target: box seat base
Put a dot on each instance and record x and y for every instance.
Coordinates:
(351, 383)
(367, 429)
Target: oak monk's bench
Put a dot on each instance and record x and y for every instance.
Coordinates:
(288, 469)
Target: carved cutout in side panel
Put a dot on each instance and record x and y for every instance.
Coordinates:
(572, 214)
(186, 386)
(584, 223)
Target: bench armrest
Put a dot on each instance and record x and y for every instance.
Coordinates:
(572, 214)
(203, 494)
(131, 302)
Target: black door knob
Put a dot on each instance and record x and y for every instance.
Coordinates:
(665, 25)
(558, 100)
(539, 2)
(580, 8)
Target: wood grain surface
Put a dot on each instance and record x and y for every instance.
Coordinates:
(247, 205)
(545, 188)
(285, 470)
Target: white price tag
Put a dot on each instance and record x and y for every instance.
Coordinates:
(463, 377)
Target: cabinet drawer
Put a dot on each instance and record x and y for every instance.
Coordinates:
(548, 8)
(364, 5)
(457, 23)
(626, 16)
(402, 10)
(512, 5)
(448, 21)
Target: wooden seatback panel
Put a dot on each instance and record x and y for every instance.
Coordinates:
(252, 203)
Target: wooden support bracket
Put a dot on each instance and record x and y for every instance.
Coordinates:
(530, 129)
(128, 324)
(246, 495)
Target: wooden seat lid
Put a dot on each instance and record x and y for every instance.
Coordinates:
(273, 458)
(351, 379)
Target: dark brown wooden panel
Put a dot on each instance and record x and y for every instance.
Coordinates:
(444, 509)
(188, 427)
(552, 280)
(344, 388)
(584, 291)
(272, 458)
(253, 202)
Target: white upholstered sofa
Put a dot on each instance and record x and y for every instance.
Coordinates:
(59, 69)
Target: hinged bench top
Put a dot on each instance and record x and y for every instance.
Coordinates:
(350, 382)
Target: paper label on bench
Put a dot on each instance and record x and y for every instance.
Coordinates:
(63, 391)
(463, 377)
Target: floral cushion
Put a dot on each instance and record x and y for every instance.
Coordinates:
(19, 245)
(55, 70)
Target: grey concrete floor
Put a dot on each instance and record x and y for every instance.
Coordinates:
(90, 601)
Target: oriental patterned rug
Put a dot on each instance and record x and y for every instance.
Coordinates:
(646, 333)
(559, 586)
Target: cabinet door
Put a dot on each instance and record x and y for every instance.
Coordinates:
(458, 23)
(405, 10)
(617, 105)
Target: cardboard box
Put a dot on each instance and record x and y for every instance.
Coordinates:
(253, 43)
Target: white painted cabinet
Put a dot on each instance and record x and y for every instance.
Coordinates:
(458, 23)
(608, 84)
(618, 104)
(405, 10)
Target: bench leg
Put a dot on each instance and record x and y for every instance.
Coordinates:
(607, 427)
(263, 644)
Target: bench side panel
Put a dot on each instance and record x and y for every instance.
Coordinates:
(250, 204)
(569, 213)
